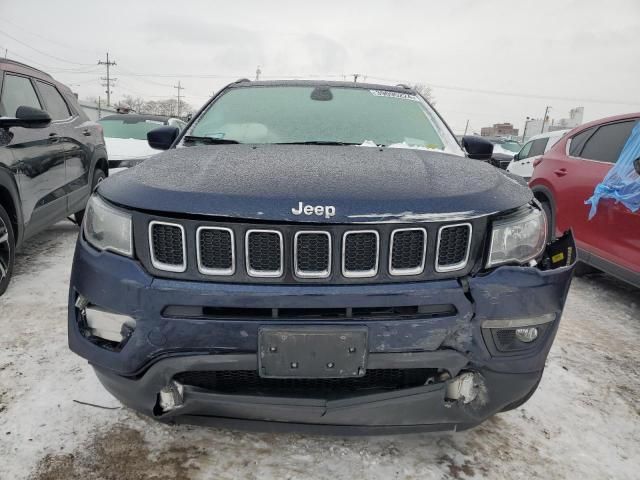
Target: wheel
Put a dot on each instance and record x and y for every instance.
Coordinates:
(7, 250)
(583, 269)
(98, 176)
(550, 221)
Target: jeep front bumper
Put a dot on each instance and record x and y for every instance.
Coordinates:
(472, 374)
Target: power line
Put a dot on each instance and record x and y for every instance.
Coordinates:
(517, 94)
(21, 28)
(107, 79)
(41, 52)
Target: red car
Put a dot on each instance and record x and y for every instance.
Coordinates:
(567, 175)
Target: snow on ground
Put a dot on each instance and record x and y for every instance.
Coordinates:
(584, 421)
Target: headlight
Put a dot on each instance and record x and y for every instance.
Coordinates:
(107, 228)
(519, 239)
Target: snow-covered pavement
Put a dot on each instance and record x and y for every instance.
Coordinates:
(584, 421)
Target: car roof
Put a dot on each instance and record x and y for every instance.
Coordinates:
(600, 121)
(136, 116)
(554, 133)
(23, 68)
(20, 66)
(320, 83)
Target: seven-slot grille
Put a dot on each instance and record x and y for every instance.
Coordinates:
(453, 247)
(167, 242)
(287, 252)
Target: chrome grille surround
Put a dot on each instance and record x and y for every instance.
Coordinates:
(360, 273)
(263, 273)
(408, 271)
(459, 265)
(215, 271)
(311, 274)
(168, 267)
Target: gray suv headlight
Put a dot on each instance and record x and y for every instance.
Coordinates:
(518, 239)
(107, 228)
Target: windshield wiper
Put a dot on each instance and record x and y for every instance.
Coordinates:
(317, 142)
(209, 140)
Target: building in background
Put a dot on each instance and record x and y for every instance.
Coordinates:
(575, 119)
(533, 126)
(499, 130)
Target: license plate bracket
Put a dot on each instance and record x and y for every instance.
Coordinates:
(312, 351)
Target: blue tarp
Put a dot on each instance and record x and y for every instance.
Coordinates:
(622, 183)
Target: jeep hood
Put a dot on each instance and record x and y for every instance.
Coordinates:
(364, 184)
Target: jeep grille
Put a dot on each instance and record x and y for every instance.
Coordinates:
(294, 253)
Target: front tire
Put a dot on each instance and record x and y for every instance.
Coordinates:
(98, 176)
(551, 227)
(7, 250)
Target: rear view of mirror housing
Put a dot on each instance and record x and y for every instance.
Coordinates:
(477, 148)
(162, 138)
(26, 117)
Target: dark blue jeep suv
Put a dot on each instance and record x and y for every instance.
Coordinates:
(317, 255)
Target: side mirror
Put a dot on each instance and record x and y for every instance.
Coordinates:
(26, 117)
(477, 147)
(162, 138)
(516, 157)
(636, 165)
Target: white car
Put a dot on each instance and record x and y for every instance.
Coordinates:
(125, 136)
(522, 163)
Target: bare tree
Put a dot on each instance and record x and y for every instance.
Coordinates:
(426, 92)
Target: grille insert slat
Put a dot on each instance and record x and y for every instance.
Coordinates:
(167, 246)
(216, 251)
(360, 253)
(454, 242)
(408, 251)
(264, 253)
(312, 254)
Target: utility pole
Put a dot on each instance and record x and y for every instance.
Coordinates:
(544, 119)
(466, 127)
(526, 123)
(355, 77)
(179, 87)
(108, 80)
(258, 72)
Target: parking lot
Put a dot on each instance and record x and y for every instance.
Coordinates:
(57, 422)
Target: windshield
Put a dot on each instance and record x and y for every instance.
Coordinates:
(299, 114)
(511, 146)
(136, 128)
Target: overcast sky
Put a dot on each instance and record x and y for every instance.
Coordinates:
(486, 61)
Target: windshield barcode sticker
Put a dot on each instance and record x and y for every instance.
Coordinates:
(388, 93)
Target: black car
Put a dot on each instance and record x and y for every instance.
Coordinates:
(317, 255)
(51, 156)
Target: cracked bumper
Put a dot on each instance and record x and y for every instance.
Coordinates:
(160, 346)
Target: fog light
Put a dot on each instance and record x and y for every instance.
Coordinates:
(108, 325)
(527, 335)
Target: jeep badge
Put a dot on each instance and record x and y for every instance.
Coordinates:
(327, 211)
